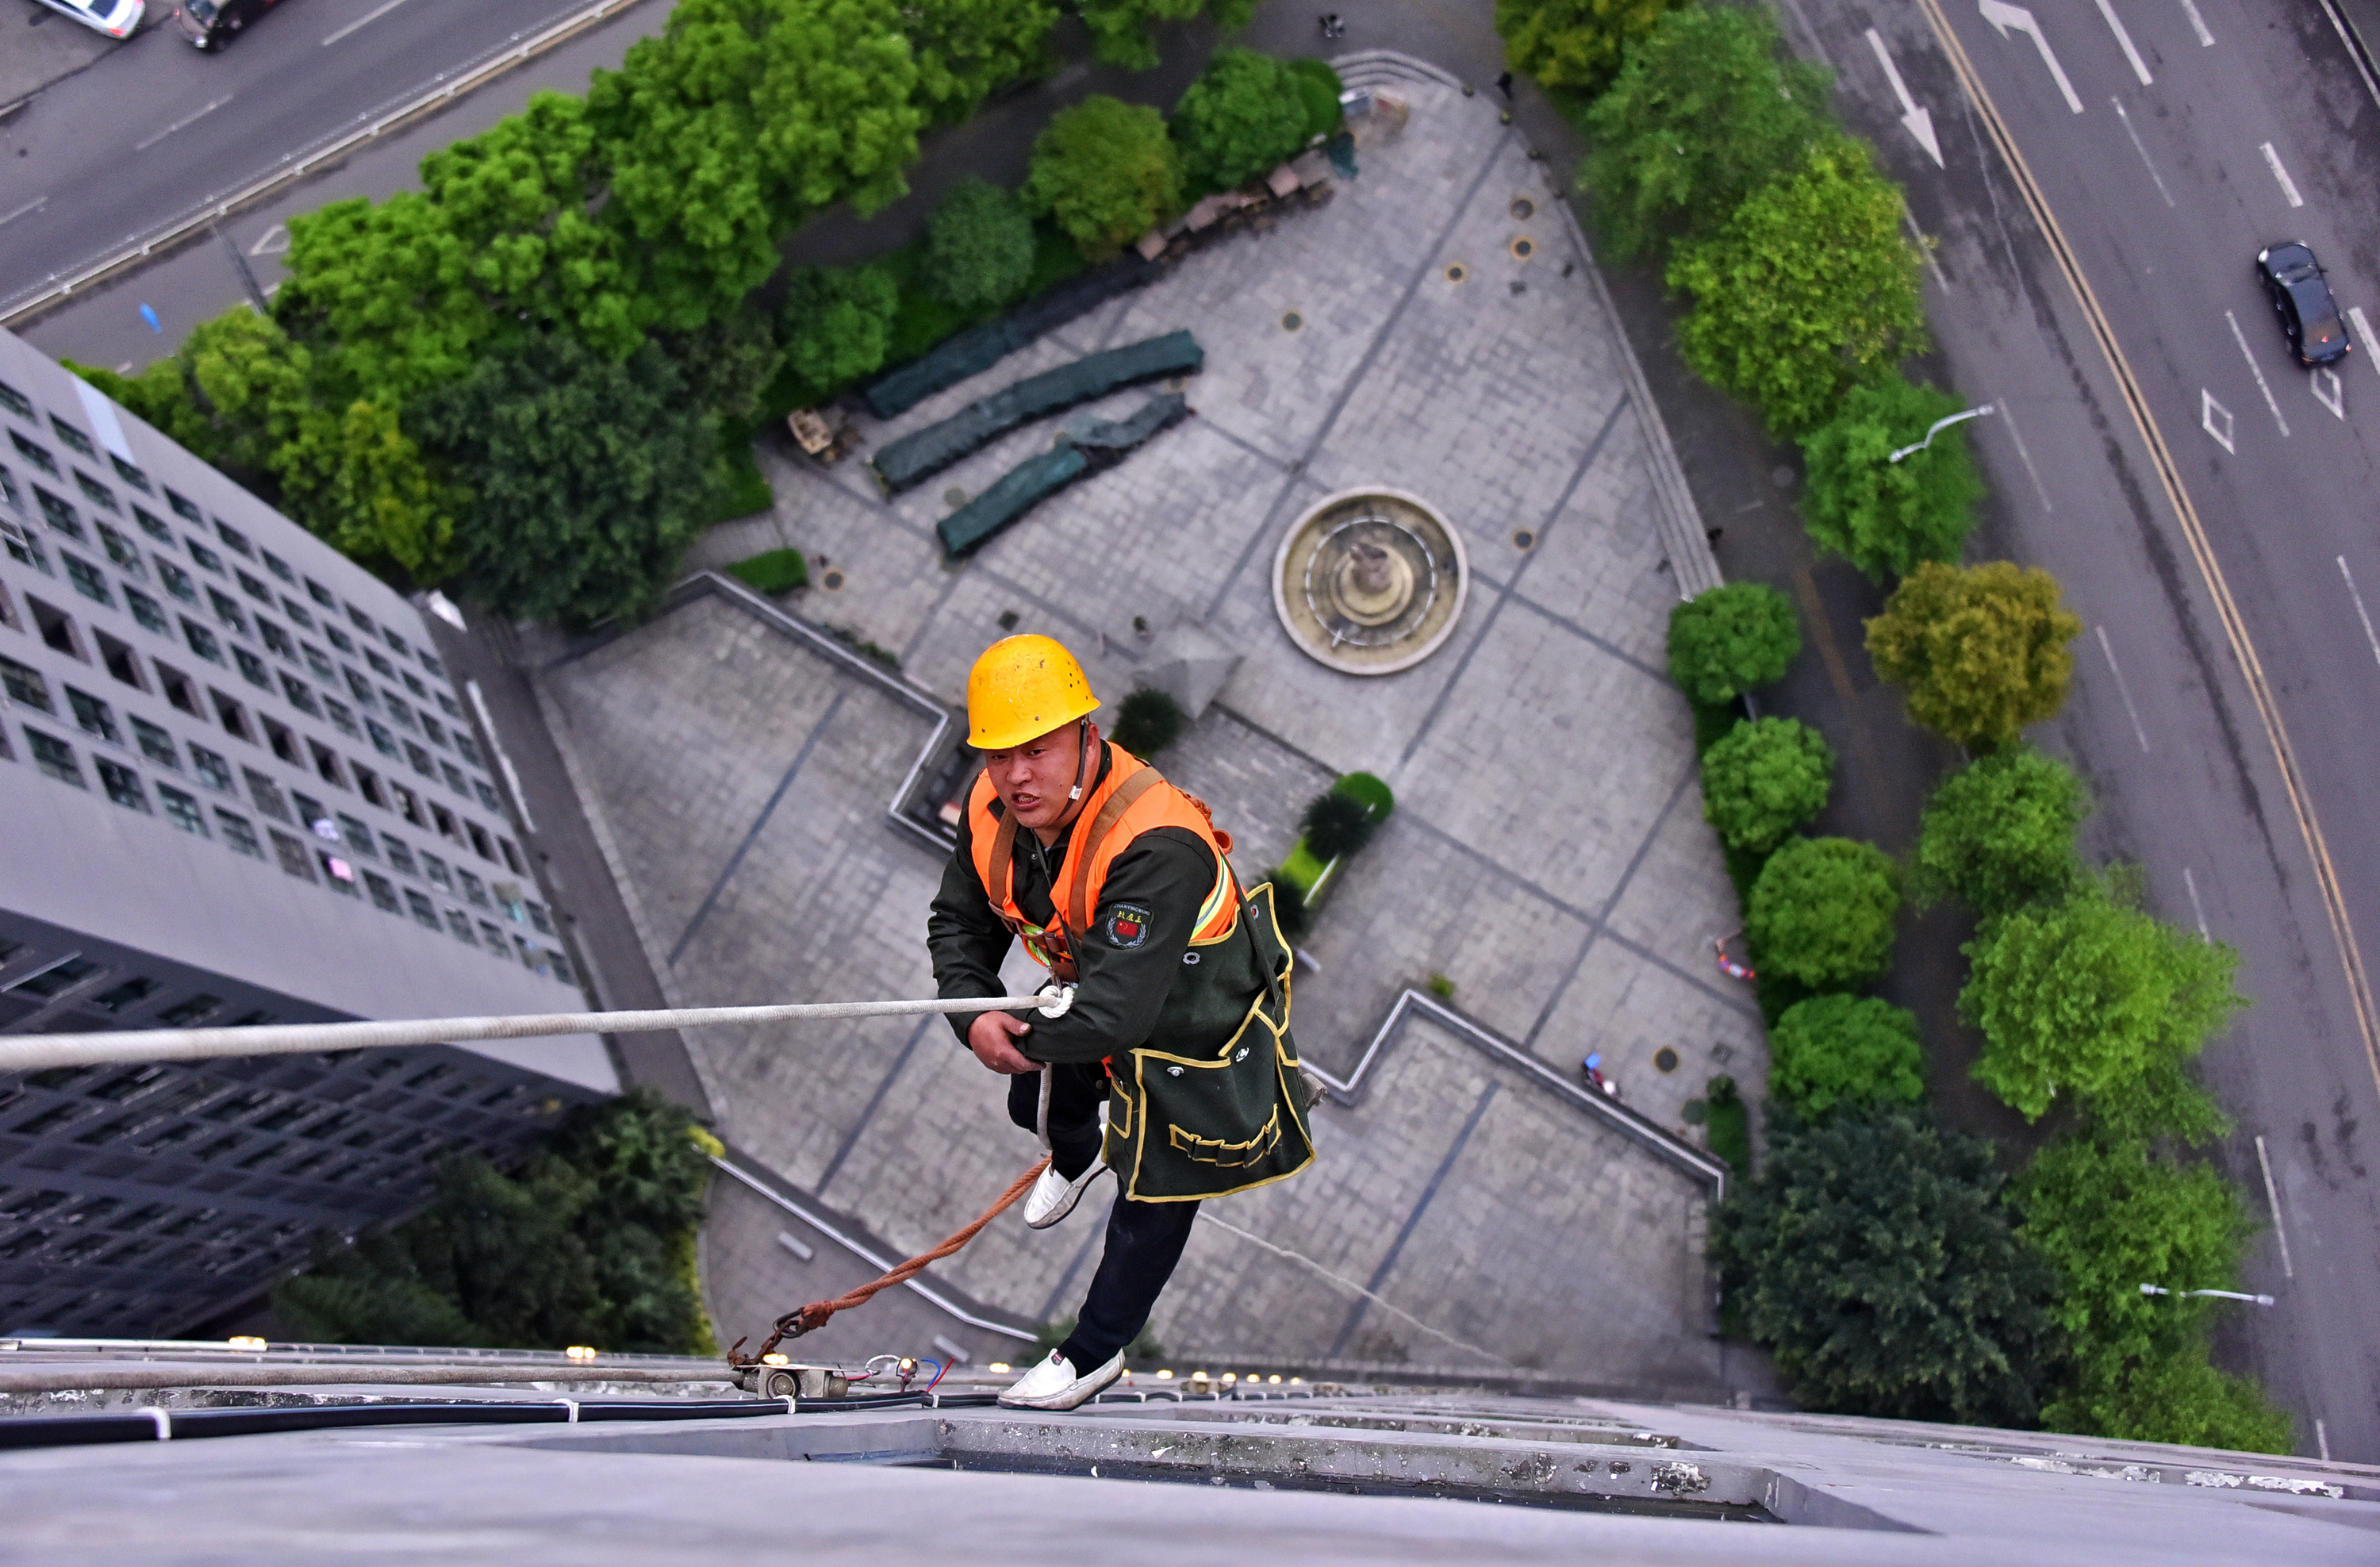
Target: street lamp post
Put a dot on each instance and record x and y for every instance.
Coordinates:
(1940, 425)
(2218, 1294)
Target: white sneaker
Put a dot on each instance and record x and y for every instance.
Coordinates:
(1053, 1196)
(1053, 1385)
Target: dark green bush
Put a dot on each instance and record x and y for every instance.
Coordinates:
(1319, 88)
(836, 323)
(1244, 114)
(1377, 797)
(1852, 1052)
(1881, 516)
(1336, 825)
(979, 250)
(1730, 1124)
(1147, 721)
(772, 571)
(1822, 911)
(1732, 639)
(1105, 172)
(1764, 780)
(1999, 834)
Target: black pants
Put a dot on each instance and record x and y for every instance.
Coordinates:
(1145, 1239)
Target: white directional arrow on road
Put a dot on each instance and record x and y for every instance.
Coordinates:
(2004, 16)
(1920, 122)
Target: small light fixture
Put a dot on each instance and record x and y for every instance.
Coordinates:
(246, 1341)
(776, 1357)
(998, 1367)
(1298, 1381)
(1165, 1376)
(1275, 1377)
(1230, 1378)
(580, 1351)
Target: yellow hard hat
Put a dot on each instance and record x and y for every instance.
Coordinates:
(1021, 687)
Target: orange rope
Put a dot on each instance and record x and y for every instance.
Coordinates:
(811, 1317)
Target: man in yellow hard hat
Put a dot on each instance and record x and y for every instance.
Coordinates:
(1118, 883)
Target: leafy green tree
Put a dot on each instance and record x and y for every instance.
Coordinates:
(1572, 48)
(1706, 109)
(966, 50)
(2177, 1396)
(1853, 1051)
(233, 395)
(1319, 88)
(587, 478)
(1821, 913)
(1881, 516)
(1981, 652)
(1807, 290)
(1764, 780)
(2093, 998)
(356, 480)
(1999, 832)
(1120, 29)
(1242, 117)
(1730, 639)
(1106, 172)
(740, 119)
(726, 364)
(979, 247)
(837, 322)
(1875, 1259)
(592, 1242)
(398, 298)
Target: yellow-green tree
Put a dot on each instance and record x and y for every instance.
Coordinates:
(1572, 48)
(1808, 290)
(1980, 652)
(358, 481)
(1105, 172)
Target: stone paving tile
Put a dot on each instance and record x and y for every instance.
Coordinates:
(1538, 757)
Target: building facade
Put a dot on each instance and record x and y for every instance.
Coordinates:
(238, 786)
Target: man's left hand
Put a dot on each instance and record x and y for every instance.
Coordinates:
(991, 1037)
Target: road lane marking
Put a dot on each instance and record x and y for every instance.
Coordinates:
(2355, 315)
(2124, 689)
(2361, 612)
(2198, 25)
(272, 242)
(2273, 1201)
(2116, 25)
(2008, 416)
(35, 205)
(2288, 187)
(2253, 368)
(365, 20)
(2003, 16)
(2141, 150)
(2196, 908)
(2336, 398)
(186, 121)
(2207, 409)
(1918, 122)
(2354, 50)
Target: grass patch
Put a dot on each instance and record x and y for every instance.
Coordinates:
(1302, 869)
(746, 491)
(772, 571)
(1730, 1124)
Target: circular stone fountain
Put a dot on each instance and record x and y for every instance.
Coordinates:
(1370, 580)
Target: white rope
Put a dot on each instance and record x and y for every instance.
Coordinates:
(34, 1052)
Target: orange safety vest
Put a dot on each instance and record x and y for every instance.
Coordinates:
(1133, 799)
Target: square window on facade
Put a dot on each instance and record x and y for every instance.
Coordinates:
(89, 580)
(120, 549)
(315, 661)
(487, 796)
(58, 513)
(386, 670)
(383, 741)
(58, 629)
(560, 965)
(295, 857)
(202, 640)
(276, 637)
(493, 940)
(277, 567)
(398, 854)
(408, 804)
(234, 538)
(339, 638)
(435, 730)
(459, 924)
(314, 818)
(24, 684)
(455, 782)
(448, 828)
(55, 758)
(446, 705)
(147, 611)
(266, 793)
(382, 891)
(435, 868)
(298, 613)
(340, 715)
(321, 594)
(368, 785)
(16, 401)
(238, 833)
(155, 743)
(22, 547)
(327, 763)
(338, 874)
(123, 785)
(98, 494)
(129, 993)
(182, 809)
(254, 588)
(300, 695)
(153, 525)
(38, 456)
(214, 770)
(182, 506)
(178, 690)
(357, 836)
(253, 669)
(359, 687)
(398, 711)
(538, 918)
(94, 715)
(204, 556)
(227, 610)
(283, 743)
(177, 582)
(119, 662)
(232, 716)
(129, 474)
(474, 889)
(73, 437)
(425, 912)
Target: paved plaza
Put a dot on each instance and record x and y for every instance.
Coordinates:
(1547, 858)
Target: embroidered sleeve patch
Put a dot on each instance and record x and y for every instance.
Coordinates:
(1127, 925)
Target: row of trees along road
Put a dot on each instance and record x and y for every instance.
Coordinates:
(1891, 1267)
(532, 376)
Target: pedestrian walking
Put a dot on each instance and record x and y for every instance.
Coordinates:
(1504, 86)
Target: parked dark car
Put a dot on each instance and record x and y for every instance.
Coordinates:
(207, 23)
(2301, 298)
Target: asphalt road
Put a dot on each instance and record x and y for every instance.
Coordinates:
(2164, 190)
(157, 128)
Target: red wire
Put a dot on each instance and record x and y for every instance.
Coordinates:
(938, 1371)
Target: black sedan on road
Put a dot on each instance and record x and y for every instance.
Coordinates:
(207, 23)
(2310, 317)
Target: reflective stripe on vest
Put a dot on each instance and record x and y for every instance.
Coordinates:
(1146, 806)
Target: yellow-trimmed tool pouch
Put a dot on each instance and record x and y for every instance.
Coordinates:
(1210, 1106)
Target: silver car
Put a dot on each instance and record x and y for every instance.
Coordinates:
(117, 19)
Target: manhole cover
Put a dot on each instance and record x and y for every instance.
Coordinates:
(1524, 540)
(831, 581)
(1523, 209)
(1292, 322)
(1457, 272)
(1666, 1059)
(954, 496)
(1524, 247)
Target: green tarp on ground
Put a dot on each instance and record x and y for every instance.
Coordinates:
(921, 453)
(979, 347)
(1087, 444)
